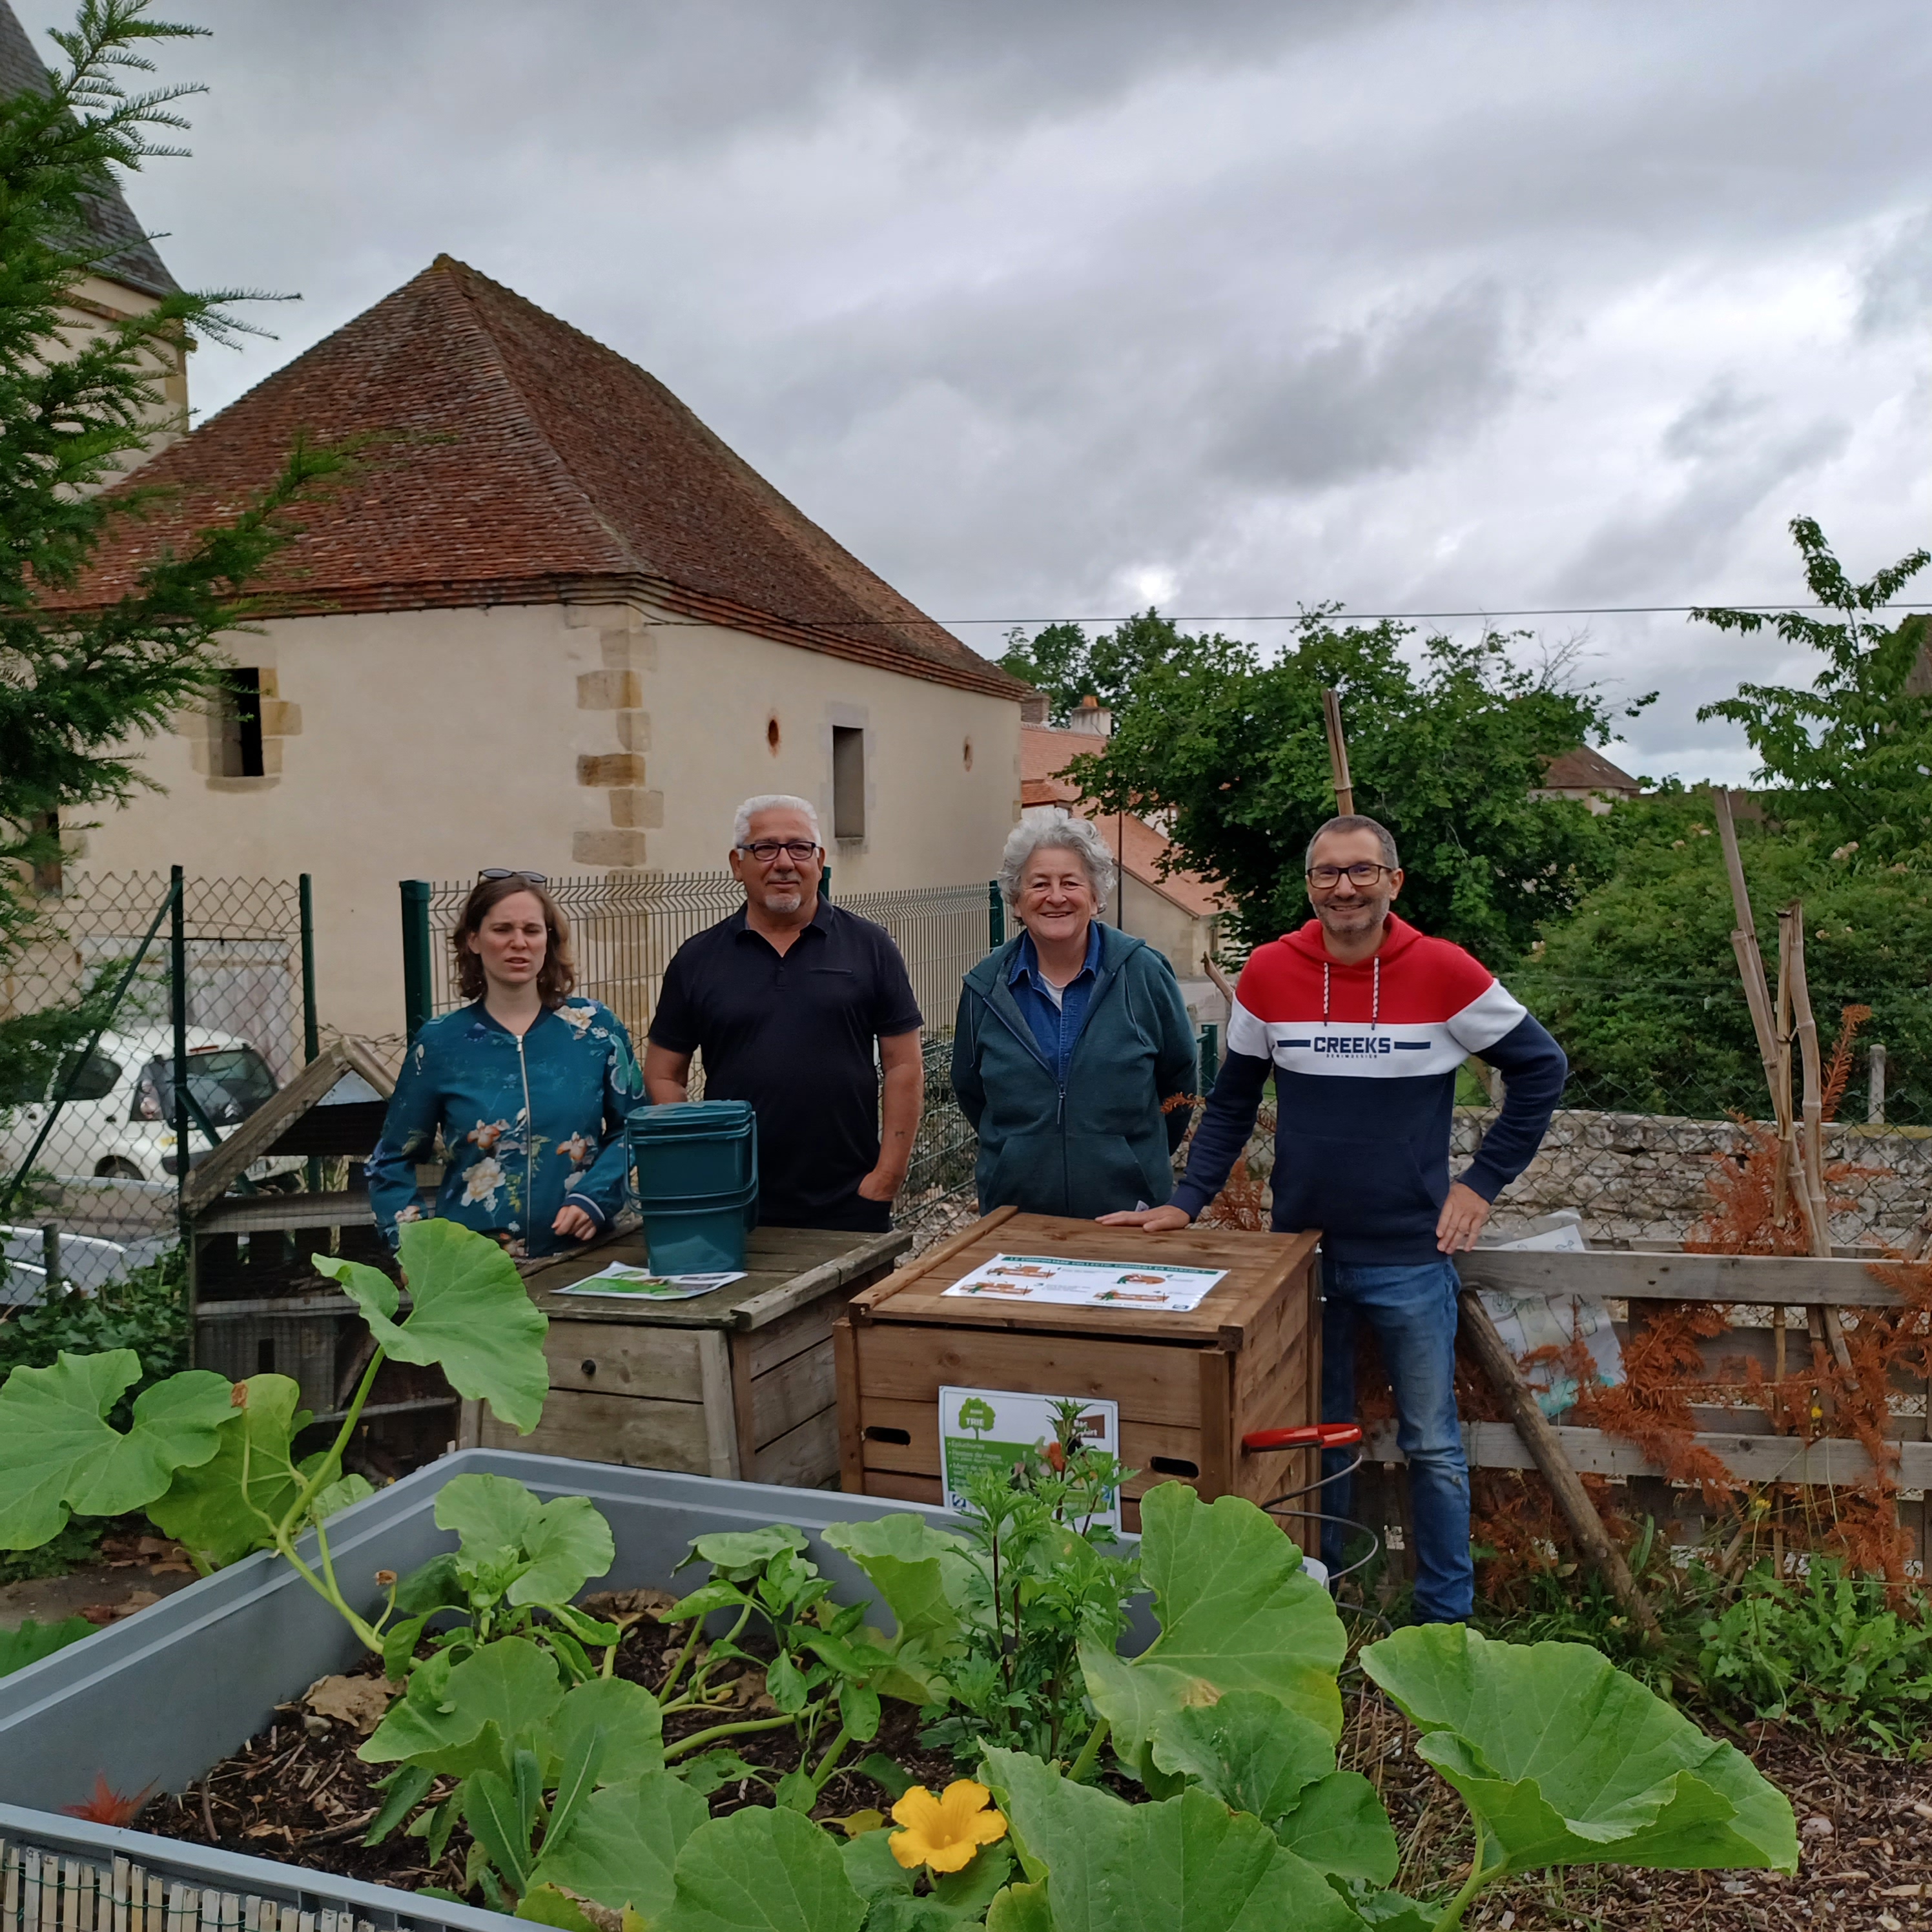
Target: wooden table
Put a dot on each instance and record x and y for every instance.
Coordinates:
(1189, 1386)
(736, 1383)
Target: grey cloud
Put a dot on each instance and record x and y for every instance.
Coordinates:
(1374, 398)
(1897, 291)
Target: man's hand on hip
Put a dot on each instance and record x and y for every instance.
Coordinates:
(1461, 1220)
(881, 1184)
(1155, 1220)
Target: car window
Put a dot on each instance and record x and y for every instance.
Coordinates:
(228, 1085)
(97, 1077)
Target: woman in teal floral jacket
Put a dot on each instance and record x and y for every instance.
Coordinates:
(528, 1087)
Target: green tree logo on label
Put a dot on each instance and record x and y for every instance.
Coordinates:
(976, 1415)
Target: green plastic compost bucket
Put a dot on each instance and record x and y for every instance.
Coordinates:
(695, 1168)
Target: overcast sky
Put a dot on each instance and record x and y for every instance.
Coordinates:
(1054, 310)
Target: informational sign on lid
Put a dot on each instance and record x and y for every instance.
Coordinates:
(1077, 1284)
(993, 1429)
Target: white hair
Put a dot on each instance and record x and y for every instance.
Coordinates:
(1059, 835)
(773, 801)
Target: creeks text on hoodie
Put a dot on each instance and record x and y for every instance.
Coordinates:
(1364, 1059)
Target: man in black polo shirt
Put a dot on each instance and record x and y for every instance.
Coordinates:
(785, 1000)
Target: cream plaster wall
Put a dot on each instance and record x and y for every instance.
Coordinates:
(427, 744)
(99, 300)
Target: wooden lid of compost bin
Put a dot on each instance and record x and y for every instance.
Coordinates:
(1259, 1268)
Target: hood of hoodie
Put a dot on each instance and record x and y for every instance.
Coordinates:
(1116, 947)
(1307, 940)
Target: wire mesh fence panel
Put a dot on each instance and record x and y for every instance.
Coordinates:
(623, 933)
(941, 932)
(88, 1112)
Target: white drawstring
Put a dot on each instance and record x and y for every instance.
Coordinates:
(1375, 995)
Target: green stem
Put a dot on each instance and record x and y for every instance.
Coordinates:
(1452, 1916)
(829, 1762)
(330, 1467)
(1090, 1752)
(717, 1731)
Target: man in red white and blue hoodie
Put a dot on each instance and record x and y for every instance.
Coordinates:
(1363, 1022)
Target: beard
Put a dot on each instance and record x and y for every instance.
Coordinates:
(780, 896)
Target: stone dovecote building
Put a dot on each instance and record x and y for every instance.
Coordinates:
(554, 622)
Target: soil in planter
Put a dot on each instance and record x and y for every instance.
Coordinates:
(298, 1793)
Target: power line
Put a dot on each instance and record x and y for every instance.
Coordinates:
(1419, 616)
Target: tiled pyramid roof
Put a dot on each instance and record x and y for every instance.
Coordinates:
(137, 265)
(525, 463)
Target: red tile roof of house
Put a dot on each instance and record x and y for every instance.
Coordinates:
(1584, 769)
(1044, 753)
(524, 463)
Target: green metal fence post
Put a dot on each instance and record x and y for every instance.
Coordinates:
(996, 914)
(311, 1028)
(1210, 1057)
(178, 1011)
(416, 995)
(825, 881)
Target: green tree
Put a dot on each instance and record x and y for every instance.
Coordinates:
(1062, 661)
(1231, 749)
(1854, 749)
(1641, 986)
(80, 679)
(976, 1415)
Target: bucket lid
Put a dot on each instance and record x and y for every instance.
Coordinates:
(703, 1119)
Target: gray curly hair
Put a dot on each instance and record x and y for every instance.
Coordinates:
(1059, 835)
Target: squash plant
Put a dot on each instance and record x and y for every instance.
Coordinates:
(1228, 1720)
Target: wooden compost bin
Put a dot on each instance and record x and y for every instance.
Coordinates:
(737, 1383)
(1189, 1387)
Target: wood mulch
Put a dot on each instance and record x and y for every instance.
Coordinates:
(1864, 1826)
(297, 1793)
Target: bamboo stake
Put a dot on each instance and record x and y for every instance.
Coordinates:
(1338, 753)
(1546, 1447)
(1812, 1166)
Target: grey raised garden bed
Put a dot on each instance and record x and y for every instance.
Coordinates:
(178, 1687)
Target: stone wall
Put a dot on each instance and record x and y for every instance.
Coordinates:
(1644, 1177)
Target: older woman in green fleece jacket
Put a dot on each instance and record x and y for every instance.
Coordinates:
(1073, 1055)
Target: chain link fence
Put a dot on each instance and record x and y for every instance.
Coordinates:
(89, 1076)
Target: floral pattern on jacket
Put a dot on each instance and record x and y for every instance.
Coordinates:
(508, 1172)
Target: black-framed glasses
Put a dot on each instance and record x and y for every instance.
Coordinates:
(765, 850)
(514, 872)
(1324, 878)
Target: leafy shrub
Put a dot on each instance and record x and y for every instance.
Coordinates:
(1837, 1653)
(146, 1310)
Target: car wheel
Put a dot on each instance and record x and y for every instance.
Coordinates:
(116, 1170)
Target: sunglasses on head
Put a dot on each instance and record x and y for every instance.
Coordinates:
(514, 872)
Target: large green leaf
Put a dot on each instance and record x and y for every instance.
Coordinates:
(469, 1717)
(626, 1714)
(1189, 1864)
(623, 1843)
(736, 1555)
(1565, 1760)
(472, 1317)
(1020, 1908)
(920, 1572)
(761, 1871)
(31, 1641)
(1249, 1750)
(209, 1507)
(565, 1541)
(58, 1455)
(1338, 1825)
(1238, 1612)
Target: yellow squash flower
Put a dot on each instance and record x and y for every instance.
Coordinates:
(945, 1832)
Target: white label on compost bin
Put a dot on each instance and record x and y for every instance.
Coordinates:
(991, 1429)
(1077, 1284)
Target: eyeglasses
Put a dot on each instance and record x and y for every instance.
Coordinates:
(514, 872)
(1325, 877)
(766, 850)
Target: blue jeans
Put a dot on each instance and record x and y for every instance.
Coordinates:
(1412, 1310)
